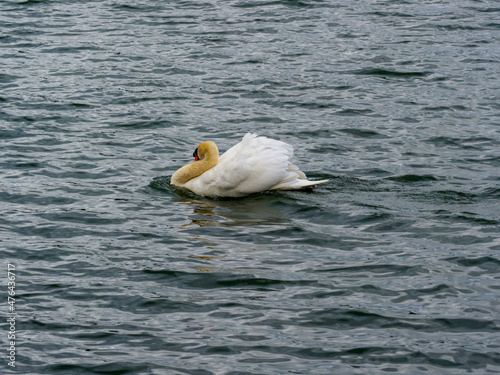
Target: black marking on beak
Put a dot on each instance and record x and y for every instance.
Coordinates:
(195, 154)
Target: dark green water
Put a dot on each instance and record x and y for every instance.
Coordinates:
(391, 267)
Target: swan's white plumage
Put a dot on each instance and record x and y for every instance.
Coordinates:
(253, 165)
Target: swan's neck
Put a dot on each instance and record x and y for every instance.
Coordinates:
(195, 169)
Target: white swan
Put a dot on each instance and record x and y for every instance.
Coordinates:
(253, 165)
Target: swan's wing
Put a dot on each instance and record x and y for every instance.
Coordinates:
(253, 165)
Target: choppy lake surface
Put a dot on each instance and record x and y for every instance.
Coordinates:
(391, 267)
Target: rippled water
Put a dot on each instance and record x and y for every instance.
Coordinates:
(391, 267)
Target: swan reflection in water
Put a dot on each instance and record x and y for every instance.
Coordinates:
(262, 209)
(218, 228)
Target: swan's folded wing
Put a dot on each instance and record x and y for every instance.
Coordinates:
(253, 165)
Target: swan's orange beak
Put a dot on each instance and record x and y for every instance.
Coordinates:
(195, 154)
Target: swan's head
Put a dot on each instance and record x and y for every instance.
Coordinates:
(206, 156)
(206, 151)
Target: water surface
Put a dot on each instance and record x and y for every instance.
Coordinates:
(391, 267)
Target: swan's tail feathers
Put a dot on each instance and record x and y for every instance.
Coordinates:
(298, 184)
(310, 184)
(318, 182)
